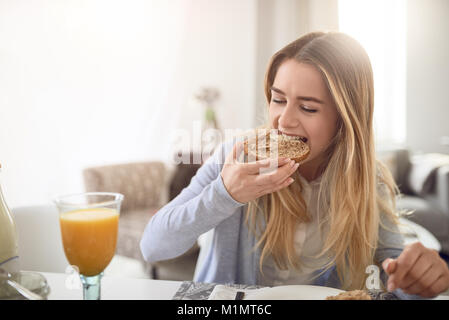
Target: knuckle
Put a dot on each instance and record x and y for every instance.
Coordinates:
(431, 257)
(405, 263)
(436, 255)
(414, 275)
(417, 246)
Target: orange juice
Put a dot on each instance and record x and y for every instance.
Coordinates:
(89, 237)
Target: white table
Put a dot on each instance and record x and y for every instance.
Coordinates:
(63, 287)
(119, 288)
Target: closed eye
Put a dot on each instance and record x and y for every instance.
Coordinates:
(306, 109)
(303, 107)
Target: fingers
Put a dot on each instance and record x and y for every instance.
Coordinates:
(252, 167)
(255, 167)
(236, 151)
(405, 262)
(418, 274)
(389, 265)
(278, 177)
(439, 285)
(418, 270)
(282, 185)
(242, 180)
(421, 284)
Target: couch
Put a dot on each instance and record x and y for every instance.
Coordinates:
(146, 186)
(424, 184)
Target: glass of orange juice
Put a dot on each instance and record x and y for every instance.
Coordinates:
(89, 227)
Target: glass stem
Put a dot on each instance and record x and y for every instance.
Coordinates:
(91, 287)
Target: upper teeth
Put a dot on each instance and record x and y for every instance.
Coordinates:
(294, 137)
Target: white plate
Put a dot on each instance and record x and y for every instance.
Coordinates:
(294, 292)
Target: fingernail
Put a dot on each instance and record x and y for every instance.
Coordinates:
(391, 287)
(296, 166)
(290, 180)
(387, 264)
(292, 163)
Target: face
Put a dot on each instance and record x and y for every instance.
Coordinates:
(301, 105)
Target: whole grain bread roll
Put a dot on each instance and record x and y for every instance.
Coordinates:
(273, 146)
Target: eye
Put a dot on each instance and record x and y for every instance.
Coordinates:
(278, 101)
(307, 109)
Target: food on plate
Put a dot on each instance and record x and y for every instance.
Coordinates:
(264, 146)
(351, 295)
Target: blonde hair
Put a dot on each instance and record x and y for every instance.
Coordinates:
(350, 174)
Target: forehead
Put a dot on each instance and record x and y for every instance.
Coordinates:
(300, 79)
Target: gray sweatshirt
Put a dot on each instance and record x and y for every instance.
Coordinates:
(206, 204)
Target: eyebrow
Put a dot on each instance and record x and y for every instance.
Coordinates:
(299, 97)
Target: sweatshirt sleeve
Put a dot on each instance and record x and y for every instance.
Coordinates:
(198, 208)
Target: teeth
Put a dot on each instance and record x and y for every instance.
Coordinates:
(295, 137)
(290, 137)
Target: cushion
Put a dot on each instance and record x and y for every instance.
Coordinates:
(144, 184)
(428, 217)
(131, 227)
(398, 162)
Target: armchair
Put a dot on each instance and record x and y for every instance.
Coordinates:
(147, 186)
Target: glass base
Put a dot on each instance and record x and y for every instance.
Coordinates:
(91, 287)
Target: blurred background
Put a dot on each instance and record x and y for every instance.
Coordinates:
(88, 83)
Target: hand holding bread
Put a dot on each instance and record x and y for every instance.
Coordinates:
(244, 181)
(274, 145)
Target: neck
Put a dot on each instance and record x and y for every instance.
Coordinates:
(307, 172)
(311, 170)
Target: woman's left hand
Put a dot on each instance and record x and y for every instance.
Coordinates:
(418, 270)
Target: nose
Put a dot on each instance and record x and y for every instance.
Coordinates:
(289, 117)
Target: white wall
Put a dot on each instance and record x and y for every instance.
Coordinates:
(87, 82)
(281, 22)
(427, 75)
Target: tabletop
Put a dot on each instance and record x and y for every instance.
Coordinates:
(68, 287)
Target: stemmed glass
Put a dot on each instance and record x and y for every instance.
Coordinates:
(89, 227)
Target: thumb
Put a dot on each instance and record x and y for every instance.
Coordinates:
(235, 153)
(389, 265)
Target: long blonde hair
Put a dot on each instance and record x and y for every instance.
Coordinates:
(350, 174)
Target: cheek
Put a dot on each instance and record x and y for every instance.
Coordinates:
(321, 135)
(274, 114)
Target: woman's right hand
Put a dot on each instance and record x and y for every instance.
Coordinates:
(244, 182)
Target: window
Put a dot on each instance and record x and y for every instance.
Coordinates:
(380, 27)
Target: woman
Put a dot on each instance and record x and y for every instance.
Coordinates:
(321, 223)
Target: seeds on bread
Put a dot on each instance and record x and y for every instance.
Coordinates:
(265, 145)
(351, 295)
